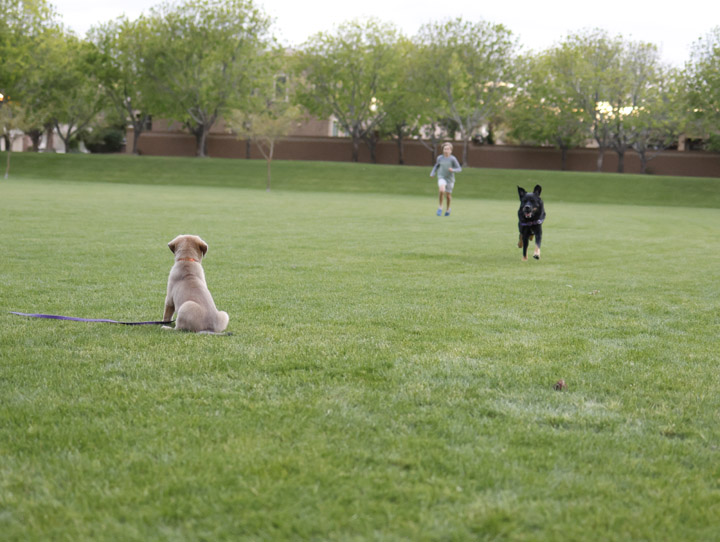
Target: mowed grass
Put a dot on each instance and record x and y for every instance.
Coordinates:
(390, 373)
(341, 177)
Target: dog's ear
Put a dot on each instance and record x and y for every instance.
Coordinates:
(203, 246)
(537, 190)
(173, 244)
(521, 192)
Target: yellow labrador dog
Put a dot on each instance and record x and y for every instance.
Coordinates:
(187, 292)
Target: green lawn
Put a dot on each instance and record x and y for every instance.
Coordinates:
(390, 373)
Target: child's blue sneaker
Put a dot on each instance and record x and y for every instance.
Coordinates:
(439, 213)
(447, 213)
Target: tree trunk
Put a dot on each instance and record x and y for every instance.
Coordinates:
(7, 167)
(563, 158)
(600, 159)
(201, 139)
(401, 147)
(621, 161)
(138, 128)
(466, 142)
(136, 138)
(371, 140)
(355, 148)
(65, 138)
(269, 164)
(35, 136)
(49, 138)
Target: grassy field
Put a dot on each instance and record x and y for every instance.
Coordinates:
(390, 373)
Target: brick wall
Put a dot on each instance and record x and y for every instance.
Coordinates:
(220, 145)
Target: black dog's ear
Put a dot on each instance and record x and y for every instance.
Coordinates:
(522, 192)
(537, 190)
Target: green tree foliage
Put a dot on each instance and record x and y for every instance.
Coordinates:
(590, 62)
(350, 75)
(545, 110)
(703, 77)
(71, 94)
(12, 124)
(469, 67)
(266, 127)
(196, 61)
(119, 69)
(22, 23)
(25, 27)
(271, 117)
(203, 58)
(657, 124)
(635, 96)
(405, 119)
(593, 86)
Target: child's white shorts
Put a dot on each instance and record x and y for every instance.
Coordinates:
(448, 185)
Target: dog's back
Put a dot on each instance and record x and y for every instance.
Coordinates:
(187, 292)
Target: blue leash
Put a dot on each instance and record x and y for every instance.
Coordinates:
(74, 319)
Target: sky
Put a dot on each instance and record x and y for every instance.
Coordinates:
(538, 25)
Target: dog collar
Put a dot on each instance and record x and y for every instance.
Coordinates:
(536, 223)
(187, 260)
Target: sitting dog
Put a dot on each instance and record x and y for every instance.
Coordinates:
(187, 292)
(531, 215)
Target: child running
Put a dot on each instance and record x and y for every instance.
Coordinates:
(446, 167)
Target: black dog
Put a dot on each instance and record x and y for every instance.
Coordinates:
(531, 215)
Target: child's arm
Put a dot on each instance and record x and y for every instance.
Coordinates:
(457, 168)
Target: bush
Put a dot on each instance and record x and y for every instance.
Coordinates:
(104, 140)
(713, 143)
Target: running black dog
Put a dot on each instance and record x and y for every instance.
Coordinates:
(531, 215)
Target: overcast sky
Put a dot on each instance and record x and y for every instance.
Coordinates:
(672, 26)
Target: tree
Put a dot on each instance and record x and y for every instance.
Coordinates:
(403, 119)
(203, 57)
(120, 72)
(629, 94)
(12, 123)
(703, 76)
(22, 21)
(657, 124)
(72, 95)
(24, 27)
(592, 63)
(265, 128)
(544, 110)
(470, 67)
(271, 115)
(591, 85)
(349, 75)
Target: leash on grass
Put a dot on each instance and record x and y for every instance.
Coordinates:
(107, 321)
(75, 319)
